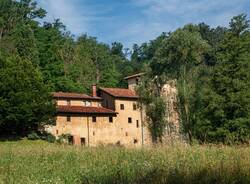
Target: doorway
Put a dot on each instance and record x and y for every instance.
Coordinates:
(71, 140)
(83, 141)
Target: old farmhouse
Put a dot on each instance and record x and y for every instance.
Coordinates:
(108, 116)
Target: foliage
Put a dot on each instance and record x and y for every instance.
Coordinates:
(41, 135)
(24, 99)
(33, 136)
(63, 139)
(155, 108)
(225, 114)
(176, 58)
(211, 67)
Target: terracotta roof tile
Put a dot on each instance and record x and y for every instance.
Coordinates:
(74, 95)
(84, 110)
(120, 92)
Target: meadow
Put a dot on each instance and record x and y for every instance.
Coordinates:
(39, 162)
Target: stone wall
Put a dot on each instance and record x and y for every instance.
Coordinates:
(169, 92)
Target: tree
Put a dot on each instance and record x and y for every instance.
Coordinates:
(25, 103)
(239, 25)
(117, 49)
(16, 28)
(176, 58)
(155, 107)
(17, 12)
(226, 102)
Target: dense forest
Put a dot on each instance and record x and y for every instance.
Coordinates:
(211, 66)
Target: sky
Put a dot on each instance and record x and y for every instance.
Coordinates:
(138, 21)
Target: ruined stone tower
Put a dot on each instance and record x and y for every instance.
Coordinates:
(169, 93)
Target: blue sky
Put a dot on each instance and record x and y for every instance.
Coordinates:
(138, 21)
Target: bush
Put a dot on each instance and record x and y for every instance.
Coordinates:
(33, 136)
(63, 139)
(42, 136)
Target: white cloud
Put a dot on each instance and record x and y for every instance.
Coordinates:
(182, 6)
(167, 15)
(151, 17)
(75, 16)
(140, 32)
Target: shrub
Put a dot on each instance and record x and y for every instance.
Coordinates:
(33, 136)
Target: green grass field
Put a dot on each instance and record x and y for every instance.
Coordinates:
(35, 162)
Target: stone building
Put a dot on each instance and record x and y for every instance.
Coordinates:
(108, 116)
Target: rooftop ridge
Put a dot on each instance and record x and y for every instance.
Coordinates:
(120, 92)
(74, 95)
(84, 110)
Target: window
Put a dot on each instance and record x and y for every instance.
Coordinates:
(126, 133)
(129, 120)
(137, 81)
(134, 106)
(70, 140)
(135, 141)
(68, 102)
(94, 119)
(137, 123)
(87, 103)
(93, 133)
(57, 132)
(122, 106)
(68, 118)
(111, 119)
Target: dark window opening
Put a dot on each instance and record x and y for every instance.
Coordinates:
(135, 141)
(129, 120)
(134, 106)
(137, 81)
(71, 140)
(111, 119)
(137, 123)
(118, 143)
(57, 132)
(83, 141)
(122, 106)
(93, 133)
(94, 119)
(68, 118)
(126, 133)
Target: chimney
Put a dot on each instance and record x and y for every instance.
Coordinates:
(94, 90)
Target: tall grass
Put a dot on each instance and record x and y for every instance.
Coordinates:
(32, 162)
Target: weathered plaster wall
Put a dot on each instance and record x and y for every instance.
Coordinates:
(79, 102)
(108, 101)
(132, 83)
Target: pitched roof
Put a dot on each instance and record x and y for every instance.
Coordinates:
(134, 76)
(84, 110)
(74, 96)
(120, 92)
